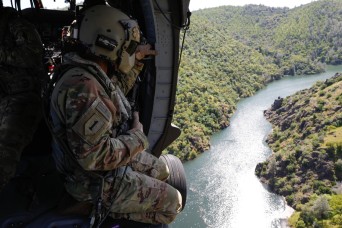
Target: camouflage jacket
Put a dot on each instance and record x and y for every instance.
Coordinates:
(89, 116)
(21, 50)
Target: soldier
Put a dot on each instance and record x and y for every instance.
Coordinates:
(88, 110)
(21, 73)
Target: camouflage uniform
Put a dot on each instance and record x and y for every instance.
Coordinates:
(90, 119)
(21, 72)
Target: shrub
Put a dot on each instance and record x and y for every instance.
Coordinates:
(307, 217)
(321, 207)
(321, 93)
(294, 219)
(338, 169)
(290, 199)
(336, 204)
(337, 220)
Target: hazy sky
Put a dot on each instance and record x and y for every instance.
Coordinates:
(194, 4)
(201, 4)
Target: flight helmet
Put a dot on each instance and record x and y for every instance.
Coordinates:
(110, 34)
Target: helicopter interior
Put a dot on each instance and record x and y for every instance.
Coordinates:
(161, 22)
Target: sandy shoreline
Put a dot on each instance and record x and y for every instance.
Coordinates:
(288, 211)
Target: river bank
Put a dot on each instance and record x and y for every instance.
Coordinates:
(223, 190)
(286, 215)
(306, 141)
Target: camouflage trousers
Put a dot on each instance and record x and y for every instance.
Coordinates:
(19, 118)
(140, 193)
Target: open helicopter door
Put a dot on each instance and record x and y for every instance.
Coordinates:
(161, 24)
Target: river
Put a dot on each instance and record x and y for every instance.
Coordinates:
(223, 191)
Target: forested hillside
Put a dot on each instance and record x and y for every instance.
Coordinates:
(306, 166)
(231, 52)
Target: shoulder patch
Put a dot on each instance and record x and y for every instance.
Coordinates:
(94, 122)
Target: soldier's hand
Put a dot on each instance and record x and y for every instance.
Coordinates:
(136, 123)
(144, 50)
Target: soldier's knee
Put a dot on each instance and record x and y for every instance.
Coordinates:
(174, 208)
(164, 172)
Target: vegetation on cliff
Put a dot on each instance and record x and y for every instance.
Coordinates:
(231, 52)
(306, 166)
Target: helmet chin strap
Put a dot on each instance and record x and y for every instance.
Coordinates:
(111, 69)
(104, 64)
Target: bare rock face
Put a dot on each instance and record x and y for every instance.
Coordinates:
(277, 104)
